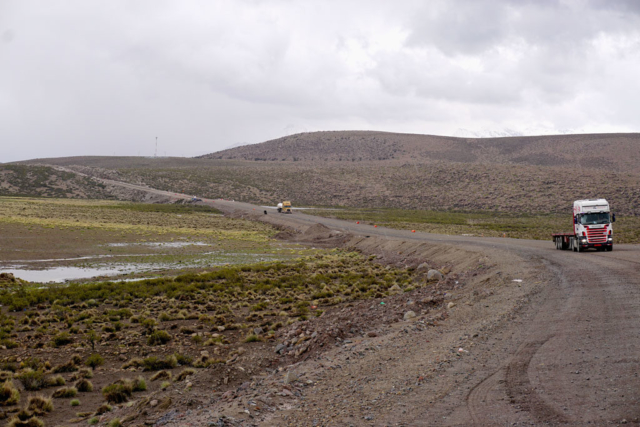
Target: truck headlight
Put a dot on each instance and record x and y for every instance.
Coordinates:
(610, 239)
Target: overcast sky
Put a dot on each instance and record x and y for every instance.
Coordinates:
(108, 77)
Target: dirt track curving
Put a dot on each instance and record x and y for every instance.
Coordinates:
(570, 356)
(555, 339)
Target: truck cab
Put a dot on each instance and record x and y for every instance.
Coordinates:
(286, 207)
(592, 225)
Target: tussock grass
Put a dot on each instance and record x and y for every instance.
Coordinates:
(65, 392)
(185, 373)
(39, 404)
(9, 394)
(161, 375)
(84, 385)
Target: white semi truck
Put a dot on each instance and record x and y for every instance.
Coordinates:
(592, 227)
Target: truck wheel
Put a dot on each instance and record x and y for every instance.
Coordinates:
(610, 248)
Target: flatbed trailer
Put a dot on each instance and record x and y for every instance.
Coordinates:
(592, 227)
(562, 240)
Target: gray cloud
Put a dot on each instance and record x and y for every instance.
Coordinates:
(108, 77)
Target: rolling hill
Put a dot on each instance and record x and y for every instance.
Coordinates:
(376, 169)
(615, 152)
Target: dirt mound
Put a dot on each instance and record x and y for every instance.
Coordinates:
(317, 231)
(317, 235)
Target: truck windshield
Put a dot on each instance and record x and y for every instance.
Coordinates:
(595, 218)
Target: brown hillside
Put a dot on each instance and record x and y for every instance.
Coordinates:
(615, 152)
(376, 169)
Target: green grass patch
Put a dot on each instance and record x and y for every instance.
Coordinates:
(488, 224)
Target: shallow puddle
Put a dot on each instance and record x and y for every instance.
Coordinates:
(160, 244)
(62, 274)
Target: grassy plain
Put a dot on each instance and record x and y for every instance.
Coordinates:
(72, 352)
(44, 233)
(490, 224)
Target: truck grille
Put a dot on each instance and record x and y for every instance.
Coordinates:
(597, 235)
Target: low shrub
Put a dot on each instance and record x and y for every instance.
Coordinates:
(32, 380)
(84, 385)
(34, 363)
(184, 374)
(9, 343)
(94, 360)
(139, 384)
(158, 337)
(39, 404)
(102, 409)
(70, 366)
(152, 363)
(65, 392)
(183, 359)
(75, 402)
(9, 394)
(252, 338)
(54, 381)
(33, 421)
(61, 339)
(161, 375)
(117, 392)
(82, 373)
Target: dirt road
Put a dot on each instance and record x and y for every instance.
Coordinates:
(572, 358)
(561, 347)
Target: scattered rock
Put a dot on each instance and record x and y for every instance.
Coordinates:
(451, 305)
(409, 315)
(372, 334)
(258, 331)
(280, 347)
(228, 395)
(395, 289)
(423, 267)
(290, 377)
(153, 403)
(434, 275)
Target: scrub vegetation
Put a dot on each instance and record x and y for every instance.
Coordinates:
(113, 341)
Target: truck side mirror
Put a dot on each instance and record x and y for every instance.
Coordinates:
(613, 217)
(575, 219)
